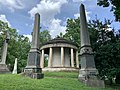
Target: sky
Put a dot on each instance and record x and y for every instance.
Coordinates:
(19, 14)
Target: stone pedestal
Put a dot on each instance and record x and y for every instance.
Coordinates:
(33, 69)
(35, 73)
(89, 77)
(4, 69)
(92, 81)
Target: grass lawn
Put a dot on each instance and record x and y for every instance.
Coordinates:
(51, 81)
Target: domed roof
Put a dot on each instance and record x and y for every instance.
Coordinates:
(60, 40)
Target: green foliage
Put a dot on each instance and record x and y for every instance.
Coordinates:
(45, 61)
(17, 82)
(115, 7)
(107, 49)
(60, 35)
(44, 36)
(73, 30)
(18, 47)
(105, 44)
(5, 26)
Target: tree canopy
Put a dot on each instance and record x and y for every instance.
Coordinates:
(18, 47)
(73, 30)
(44, 36)
(115, 7)
(105, 43)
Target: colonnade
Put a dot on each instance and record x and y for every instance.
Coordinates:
(62, 57)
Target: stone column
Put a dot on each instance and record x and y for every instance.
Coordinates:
(72, 58)
(33, 69)
(4, 50)
(88, 71)
(3, 66)
(42, 60)
(77, 61)
(4, 53)
(50, 58)
(62, 57)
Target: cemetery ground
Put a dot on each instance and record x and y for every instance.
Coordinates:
(51, 81)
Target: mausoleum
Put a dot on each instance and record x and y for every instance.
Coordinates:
(62, 55)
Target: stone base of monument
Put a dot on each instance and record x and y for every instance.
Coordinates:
(92, 81)
(35, 73)
(4, 69)
(89, 78)
(57, 69)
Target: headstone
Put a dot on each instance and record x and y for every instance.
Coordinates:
(33, 69)
(88, 72)
(15, 67)
(3, 66)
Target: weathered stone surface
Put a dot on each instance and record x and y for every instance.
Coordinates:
(87, 61)
(34, 59)
(88, 72)
(59, 45)
(4, 69)
(33, 69)
(3, 66)
(56, 60)
(4, 49)
(58, 69)
(93, 81)
(85, 40)
(35, 73)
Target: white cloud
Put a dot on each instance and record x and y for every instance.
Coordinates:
(87, 15)
(55, 27)
(48, 9)
(76, 15)
(29, 36)
(12, 4)
(4, 19)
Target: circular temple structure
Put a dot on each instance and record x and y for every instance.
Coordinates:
(62, 55)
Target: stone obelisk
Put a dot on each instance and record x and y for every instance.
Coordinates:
(3, 66)
(15, 67)
(33, 69)
(88, 72)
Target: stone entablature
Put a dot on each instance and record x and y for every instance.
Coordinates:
(59, 45)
